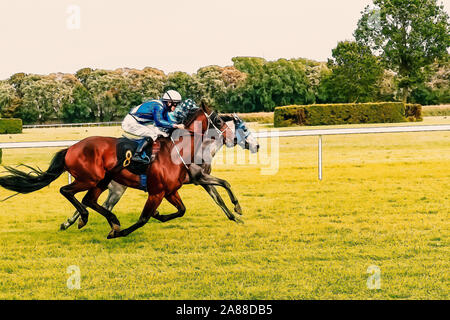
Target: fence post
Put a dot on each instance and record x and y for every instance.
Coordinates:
(320, 157)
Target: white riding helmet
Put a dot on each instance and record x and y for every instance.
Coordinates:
(172, 95)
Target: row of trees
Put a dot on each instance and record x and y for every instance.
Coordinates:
(252, 84)
(400, 54)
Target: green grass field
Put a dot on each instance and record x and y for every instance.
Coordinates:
(384, 201)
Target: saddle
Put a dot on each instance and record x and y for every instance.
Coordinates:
(125, 150)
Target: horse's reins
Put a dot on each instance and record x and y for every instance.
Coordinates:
(220, 132)
(179, 154)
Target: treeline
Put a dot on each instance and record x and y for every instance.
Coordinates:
(400, 53)
(250, 85)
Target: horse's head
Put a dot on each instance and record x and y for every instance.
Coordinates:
(226, 129)
(242, 135)
(213, 126)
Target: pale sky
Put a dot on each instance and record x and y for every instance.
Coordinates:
(171, 35)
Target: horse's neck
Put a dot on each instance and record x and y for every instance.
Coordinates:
(213, 146)
(170, 144)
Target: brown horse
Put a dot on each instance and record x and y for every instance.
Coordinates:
(199, 174)
(93, 163)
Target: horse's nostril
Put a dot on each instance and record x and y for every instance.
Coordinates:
(257, 147)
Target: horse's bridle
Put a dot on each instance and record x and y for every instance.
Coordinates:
(210, 121)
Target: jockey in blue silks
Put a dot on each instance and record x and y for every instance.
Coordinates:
(147, 120)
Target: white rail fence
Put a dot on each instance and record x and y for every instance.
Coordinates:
(268, 134)
(63, 125)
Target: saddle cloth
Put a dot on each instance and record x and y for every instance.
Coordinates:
(125, 150)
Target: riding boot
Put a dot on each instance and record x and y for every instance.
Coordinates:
(140, 155)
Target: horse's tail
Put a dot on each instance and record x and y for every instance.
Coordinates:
(24, 182)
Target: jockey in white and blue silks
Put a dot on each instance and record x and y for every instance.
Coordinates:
(147, 120)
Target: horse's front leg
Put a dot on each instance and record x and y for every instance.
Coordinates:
(212, 191)
(207, 179)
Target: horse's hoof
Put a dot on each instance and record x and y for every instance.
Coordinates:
(238, 209)
(63, 226)
(115, 232)
(238, 220)
(81, 223)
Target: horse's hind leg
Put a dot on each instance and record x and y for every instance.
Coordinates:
(90, 200)
(116, 191)
(175, 200)
(69, 192)
(70, 221)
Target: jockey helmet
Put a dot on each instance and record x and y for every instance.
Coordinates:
(172, 96)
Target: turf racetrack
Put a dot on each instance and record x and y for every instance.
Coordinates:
(384, 201)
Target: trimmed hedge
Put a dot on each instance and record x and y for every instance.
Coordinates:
(413, 112)
(10, 125)
(345, 113)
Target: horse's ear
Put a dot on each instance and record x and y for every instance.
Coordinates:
(204, 106)
(226, 117)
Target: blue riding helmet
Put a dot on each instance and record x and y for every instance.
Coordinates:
(182, 110)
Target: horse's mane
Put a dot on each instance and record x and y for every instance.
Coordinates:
(191, 116)
(187, 111)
